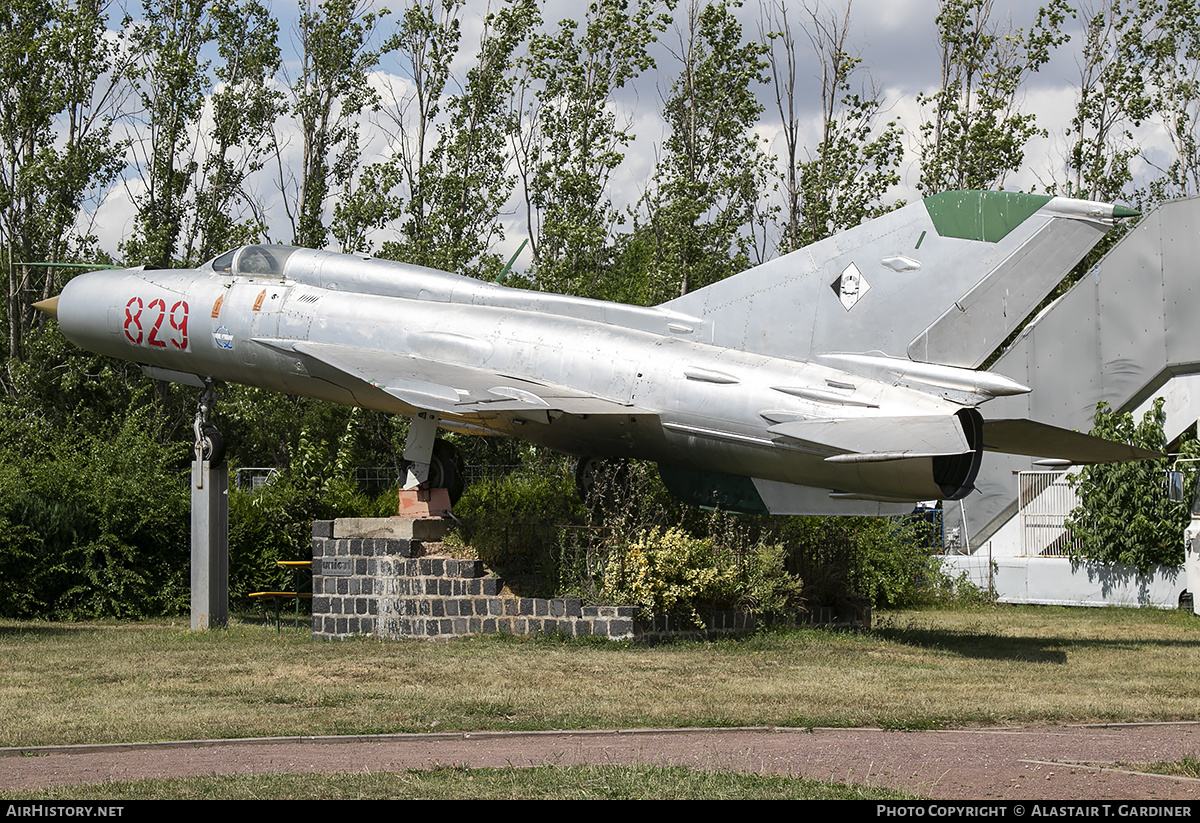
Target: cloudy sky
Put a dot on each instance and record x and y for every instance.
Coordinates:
(896, 40)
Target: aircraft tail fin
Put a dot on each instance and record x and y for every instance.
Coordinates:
(944, 280)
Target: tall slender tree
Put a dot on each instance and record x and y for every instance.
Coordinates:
(1175, 74)
(573, 139)
(58, 69)
(847, 176)
(426, 43)
(328, 96)
(244, 107)
(713, 166)
(1113, 99)
(170, 78)
(978, 132)
(466, 181)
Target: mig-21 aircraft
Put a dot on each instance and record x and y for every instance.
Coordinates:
(838, 379)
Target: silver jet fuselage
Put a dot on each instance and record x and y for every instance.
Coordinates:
(838, 379)
(709, 407)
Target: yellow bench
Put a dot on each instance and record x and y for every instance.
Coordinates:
(275, 597)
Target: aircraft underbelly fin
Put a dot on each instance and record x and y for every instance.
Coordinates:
(1028, 437)
(880, 438)
(790, 499)
(755, 495)
(977, 323)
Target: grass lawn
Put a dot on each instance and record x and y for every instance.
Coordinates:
(90, 683)
(100, 683)
(540, 783)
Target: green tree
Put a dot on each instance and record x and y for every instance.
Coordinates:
(846, 178)
(1172, 49)
(94, 515)
(56, 145)
(458, 187)
(702, 201)
(1113, 99)
(170, 81)
(470, 158)
(328, 97)
(572, 139)
(978, 133)
(1176, 73)
(1139, 70)
(245, 106)
(426, 42)
(1124, 514)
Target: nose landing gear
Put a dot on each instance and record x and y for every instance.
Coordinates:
(210, 444)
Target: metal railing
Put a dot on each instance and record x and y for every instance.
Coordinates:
(253, 478)
(1045, 500)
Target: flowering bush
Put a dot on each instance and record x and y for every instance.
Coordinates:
(672, 572)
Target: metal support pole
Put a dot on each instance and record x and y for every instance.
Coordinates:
(210, 544)
(210, 526)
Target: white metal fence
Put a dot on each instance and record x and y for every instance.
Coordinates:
(1045, 500)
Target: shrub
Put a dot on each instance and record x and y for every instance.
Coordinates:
(675, 573)
(671, 572)
(92, 523)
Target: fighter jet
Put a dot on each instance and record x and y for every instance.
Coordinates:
(838, 379)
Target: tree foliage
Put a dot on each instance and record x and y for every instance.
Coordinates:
(713, 167)
(1112, 99)
(56, 144)
(244, 106)
(1140, 65)
(169, 78)
(977, 134)
(327, 97)
(1125, 515)
(459, 187)
(426, 42)
(573, 139)
(93, 522)
(848, 174)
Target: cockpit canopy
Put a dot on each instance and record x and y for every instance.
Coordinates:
(254, 261)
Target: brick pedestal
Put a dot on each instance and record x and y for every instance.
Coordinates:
(370, 578)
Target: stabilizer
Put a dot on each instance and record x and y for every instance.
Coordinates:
(944, 280)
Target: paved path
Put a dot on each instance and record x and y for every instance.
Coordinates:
(1044, 763)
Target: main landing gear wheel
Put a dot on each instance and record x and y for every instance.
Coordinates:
(212, 444)
(445, 470)
(597, 478)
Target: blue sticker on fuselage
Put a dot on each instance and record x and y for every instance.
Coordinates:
(223, 338)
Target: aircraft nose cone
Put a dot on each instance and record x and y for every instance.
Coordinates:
(85, 310)
(48, 306)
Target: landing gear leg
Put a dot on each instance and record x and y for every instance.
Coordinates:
(432, 480)
(210, 445)
(418, 449)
